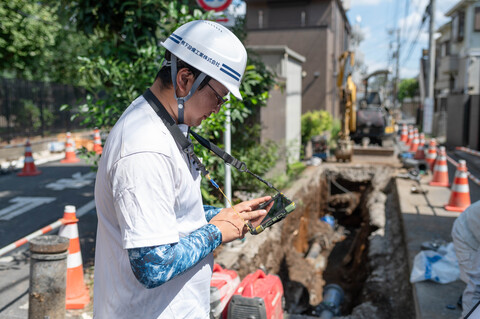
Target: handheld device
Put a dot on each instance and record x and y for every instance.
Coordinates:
(282, 206)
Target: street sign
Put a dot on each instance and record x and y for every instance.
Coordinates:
(21, 205)
(217, 5)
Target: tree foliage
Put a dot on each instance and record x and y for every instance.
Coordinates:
(408, 88)
(315, 123)
(37, 42)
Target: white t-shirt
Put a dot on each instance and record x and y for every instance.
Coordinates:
(147, 194)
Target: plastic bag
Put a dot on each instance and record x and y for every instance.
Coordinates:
(439, 266)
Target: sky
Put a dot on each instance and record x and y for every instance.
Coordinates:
(376, 17)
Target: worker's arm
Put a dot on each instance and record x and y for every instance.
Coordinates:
(153, 266)
(211, 211)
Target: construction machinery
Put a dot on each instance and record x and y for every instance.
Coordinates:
(348, 92)
(374, 123)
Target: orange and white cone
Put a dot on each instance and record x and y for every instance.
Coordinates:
(29, 168)
(440, 171)
(460, 195)
(420, 153)
(404, 133)
(97, 141)
(70, 156)
(431, 154)
(77, 296)
(410, 136)
(415, 142)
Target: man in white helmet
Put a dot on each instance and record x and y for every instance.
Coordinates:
(155, 238)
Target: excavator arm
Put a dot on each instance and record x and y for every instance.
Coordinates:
(348, 94)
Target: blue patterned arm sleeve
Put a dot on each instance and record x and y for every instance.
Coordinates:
(211, 211)
(153, 266)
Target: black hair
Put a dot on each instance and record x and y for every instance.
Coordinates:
(165, 73)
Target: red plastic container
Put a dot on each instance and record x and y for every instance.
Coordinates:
(258, 296)
(222, 286)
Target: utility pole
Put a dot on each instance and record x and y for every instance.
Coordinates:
(428, 105)
(397, 74)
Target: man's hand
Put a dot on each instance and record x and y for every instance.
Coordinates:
(230, 223)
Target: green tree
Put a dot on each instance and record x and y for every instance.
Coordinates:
(315, 123)
(407, 88)
(37, 42)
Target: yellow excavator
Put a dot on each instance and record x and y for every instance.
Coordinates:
(348, 95)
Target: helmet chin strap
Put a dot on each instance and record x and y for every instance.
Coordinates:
(181, 100)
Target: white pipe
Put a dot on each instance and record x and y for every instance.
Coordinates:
(228, 149)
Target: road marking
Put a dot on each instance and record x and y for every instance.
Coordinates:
(85, 208)
(22, 205)
(77, 181)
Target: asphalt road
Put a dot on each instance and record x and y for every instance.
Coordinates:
(30, 203)
(473, 165)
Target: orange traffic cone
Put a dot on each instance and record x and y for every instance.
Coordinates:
(431, 153)
(70, 156)
(97, 141)
(460, 195)
(415, 142)
(410, 136)
(420, 153)
(404, 134)
(77, 292)
(440, 171)
(29, 168)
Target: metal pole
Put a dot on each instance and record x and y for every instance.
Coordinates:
(48, 277)
(228, 149)
(397, 72)
(429, 101)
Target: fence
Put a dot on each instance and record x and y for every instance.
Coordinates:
(29, 108)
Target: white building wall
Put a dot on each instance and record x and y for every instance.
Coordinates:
(293, 108)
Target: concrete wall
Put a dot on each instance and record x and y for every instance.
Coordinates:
(474, 127)
(281, 118)
(456, 113)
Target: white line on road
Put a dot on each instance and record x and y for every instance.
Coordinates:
(85, 208)
(22, 205)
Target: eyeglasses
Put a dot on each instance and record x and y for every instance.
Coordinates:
(220, 100)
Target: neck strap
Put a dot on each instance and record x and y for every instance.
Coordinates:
(187, 145)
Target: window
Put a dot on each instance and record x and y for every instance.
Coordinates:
(476, 22)
(458, 26)
(260, 19)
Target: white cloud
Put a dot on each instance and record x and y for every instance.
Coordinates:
(366, 2)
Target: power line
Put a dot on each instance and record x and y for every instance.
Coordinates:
(414, 43)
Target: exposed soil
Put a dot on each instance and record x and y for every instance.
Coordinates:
(363, 253)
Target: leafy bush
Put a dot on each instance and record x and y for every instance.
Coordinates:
(315, 123)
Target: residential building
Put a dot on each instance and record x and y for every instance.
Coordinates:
(315, 29)
(457, 83)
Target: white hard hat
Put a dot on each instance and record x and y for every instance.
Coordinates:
(212, 49)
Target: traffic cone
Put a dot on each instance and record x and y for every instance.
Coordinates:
(404, 133)
(70, 156)
(440, 171)
(29, 168)
(431, 153)
(420, 153)
(415, 142)
(460, 195)
(410, 136)
(97, 141)
(77, 296)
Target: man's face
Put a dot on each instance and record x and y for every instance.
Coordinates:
(204, 102)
